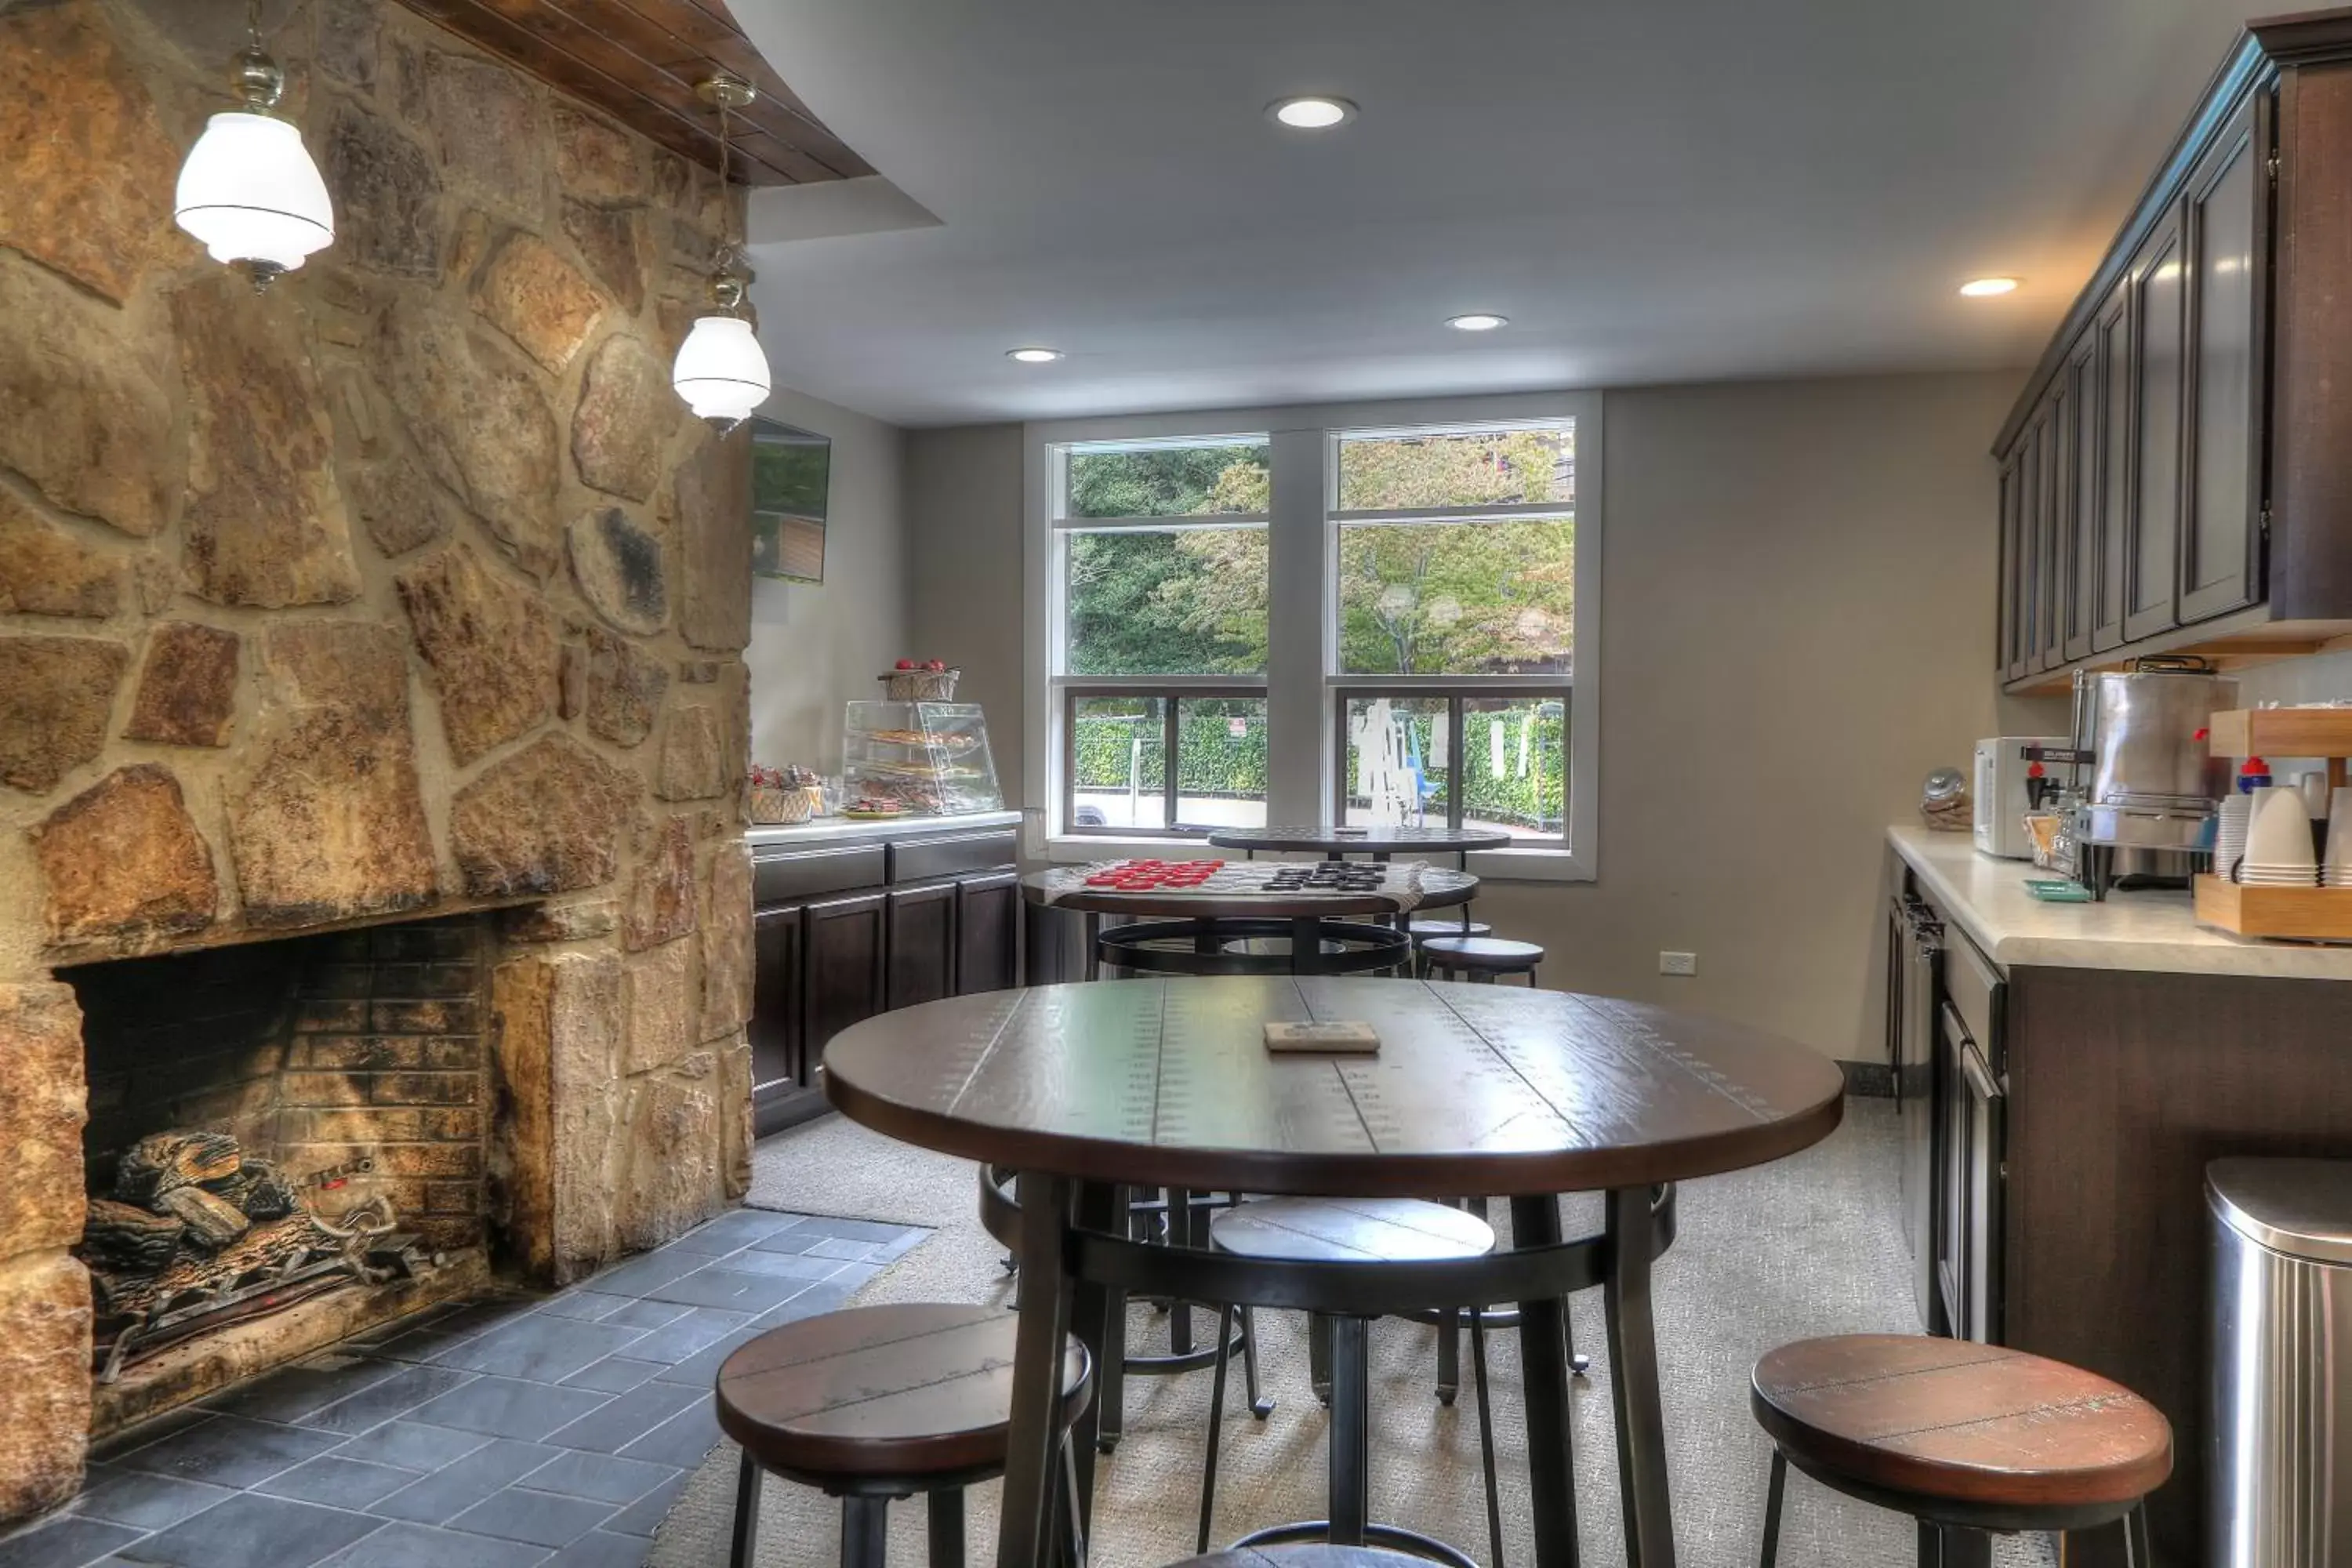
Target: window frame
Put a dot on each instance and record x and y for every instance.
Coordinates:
(1171, 699)
(1305, 691)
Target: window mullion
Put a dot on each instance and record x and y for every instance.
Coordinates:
(1457, 753)
(1169, 706)
(1294, 711)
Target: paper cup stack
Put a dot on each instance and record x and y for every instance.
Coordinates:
(2337, 871)
(2279, 847)
(2230, 835)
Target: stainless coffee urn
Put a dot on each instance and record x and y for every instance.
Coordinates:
(2143, 785)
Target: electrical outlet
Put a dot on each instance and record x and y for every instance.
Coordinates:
(1678, 963)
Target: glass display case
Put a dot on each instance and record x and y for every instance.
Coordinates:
(917, 759)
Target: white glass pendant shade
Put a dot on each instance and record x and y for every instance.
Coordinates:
(720, 371)
(249, 193)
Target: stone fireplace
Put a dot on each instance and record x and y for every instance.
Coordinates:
(372, 712)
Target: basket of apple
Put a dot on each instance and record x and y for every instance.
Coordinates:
(921, 681)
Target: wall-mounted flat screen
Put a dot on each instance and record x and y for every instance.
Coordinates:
(792, 482)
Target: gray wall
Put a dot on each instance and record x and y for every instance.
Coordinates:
(1798, 593)
(816, 646)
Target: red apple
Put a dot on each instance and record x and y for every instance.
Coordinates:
(937, 664)
(906, 664)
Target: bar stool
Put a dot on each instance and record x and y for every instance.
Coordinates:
(874, 1404)
(1369, 1232)
(1970, 1441)
(1174, 1217)
(1480, 958)
(1425, 928)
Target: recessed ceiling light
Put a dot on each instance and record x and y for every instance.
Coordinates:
(1034, 356)
(1985, 288)
(1477, 322)
(1312, 113)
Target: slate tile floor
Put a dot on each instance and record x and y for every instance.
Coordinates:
(548, 1432)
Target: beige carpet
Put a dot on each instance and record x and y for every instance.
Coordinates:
(1805, 1246)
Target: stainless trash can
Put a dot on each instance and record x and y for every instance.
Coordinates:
(2281, 1443)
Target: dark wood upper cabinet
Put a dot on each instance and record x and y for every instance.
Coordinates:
(2011, 650)
(922, 944)
(2181, 442)
(2054, 560)
(988, 933)
(2229, 223)
(2160, 294)
(2082, 483)
(2111, 351)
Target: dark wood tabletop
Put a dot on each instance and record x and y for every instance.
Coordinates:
(1384, 840)
(1440, 888)
(1475, 1089)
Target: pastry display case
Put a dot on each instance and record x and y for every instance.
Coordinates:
(917, 759)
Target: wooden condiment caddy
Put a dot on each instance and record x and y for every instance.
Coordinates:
(2304, 914)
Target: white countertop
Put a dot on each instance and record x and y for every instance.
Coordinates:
(2150, 930)
(827, 829)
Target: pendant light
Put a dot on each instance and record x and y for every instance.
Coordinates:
(721, 372)
(249, 190)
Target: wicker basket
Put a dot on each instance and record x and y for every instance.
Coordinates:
(921, 685)
(779, 807)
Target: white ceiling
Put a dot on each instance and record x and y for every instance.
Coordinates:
(1651, 190)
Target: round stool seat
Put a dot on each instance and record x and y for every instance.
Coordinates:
(1305, 1554)
(908, 1391)
(1481, 953)
(1427, 926)
(1954, 1422)
(1350, 1230)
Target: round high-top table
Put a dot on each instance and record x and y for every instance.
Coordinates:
(1379, 842)
(1479, 1090)
(1210, 919)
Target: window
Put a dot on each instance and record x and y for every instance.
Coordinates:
(1455, 553)
(1370, 614)
(1161, 571)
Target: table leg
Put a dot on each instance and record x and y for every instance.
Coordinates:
(1633, 1379)
(1099, 1208)
(1022, 1539)
(1307, 946)
(1543, 1355)
(1348, 1432)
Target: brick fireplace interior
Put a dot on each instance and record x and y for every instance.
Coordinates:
(352, 1066)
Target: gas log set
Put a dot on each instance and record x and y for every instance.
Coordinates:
(199, 1234)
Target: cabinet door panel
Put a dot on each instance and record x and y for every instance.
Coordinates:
(2054, 555)
(988, 932)
(2009, 654)
(2160, 294)
(2113, 348)
(922, 944)
(779, 1062)
(2032, 538)
(842, 979)
(2219, 534)
(2082, 500)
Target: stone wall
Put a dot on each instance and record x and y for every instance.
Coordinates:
(405, 587)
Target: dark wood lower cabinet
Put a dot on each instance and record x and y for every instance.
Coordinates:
(922, 944)
(837, 940)
(844, 975)
(780, 1065)
(988, 933)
